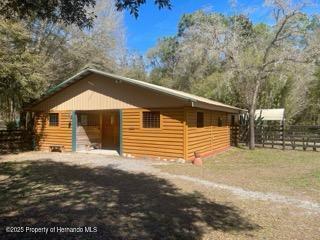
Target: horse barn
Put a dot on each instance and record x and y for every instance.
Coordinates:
(98, 110)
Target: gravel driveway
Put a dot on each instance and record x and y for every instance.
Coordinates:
(148, 166)
(135, 196)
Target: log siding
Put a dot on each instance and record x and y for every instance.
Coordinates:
(53, 135)
(209, 138)
(165, 142)
(177, 137)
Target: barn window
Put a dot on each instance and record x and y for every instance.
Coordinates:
(219, 122)
(200, 119)
(53, 119)
(151, 119)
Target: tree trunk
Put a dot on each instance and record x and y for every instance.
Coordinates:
(252, 111)
(251, 128)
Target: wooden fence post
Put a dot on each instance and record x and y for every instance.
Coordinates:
(283, 137)
(263, 135)
(303, 144)
(293, 141)
(236, 127)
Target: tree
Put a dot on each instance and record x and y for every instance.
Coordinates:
(37, 54)
(249, 64)
(21, 76)
(314, 100)
(163, 59)
(186, 63)
(66, 11)
(289, 42)
(133, 66)
(134, 5)
(180, 62)
(311, 111)
(69, 12)
(68, 49)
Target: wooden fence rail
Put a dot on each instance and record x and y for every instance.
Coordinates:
(288, 137)
(15, 141)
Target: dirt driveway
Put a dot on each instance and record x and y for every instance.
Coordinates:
(134, 199)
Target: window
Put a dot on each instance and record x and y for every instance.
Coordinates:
(200, 119)
(53, 119)
(151, 119)
(219, 122)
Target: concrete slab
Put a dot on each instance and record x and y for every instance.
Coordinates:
(106, 152)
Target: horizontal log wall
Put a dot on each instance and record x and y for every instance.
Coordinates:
(178, 136)
(165, 142)
(220, 135)
(53, 135)
(209, 138)
(199, 139)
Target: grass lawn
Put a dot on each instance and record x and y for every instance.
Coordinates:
(294, 173)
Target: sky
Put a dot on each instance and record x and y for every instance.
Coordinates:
(152, 23)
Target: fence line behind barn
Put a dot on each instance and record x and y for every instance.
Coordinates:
(285, 137)
(15, 141)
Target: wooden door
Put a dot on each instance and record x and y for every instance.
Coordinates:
(110, 130)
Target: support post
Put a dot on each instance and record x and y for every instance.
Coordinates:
(236, 134)
(74, 130)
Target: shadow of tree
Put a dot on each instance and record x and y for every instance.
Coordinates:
(120, 204)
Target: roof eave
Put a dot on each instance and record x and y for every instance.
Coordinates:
(225, 108)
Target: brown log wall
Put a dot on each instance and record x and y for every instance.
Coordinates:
(177, 137)
(53, 135)
(165, 142)
(209, 138)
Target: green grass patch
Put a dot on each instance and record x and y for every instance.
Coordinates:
(267, 170)
(310, 179)
(316, 174)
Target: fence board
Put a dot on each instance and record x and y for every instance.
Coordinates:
(15, 141)
(305, 137)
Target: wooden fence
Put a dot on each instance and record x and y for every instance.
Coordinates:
(288, 137)
(15, 141)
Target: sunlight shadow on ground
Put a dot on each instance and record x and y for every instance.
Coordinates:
(122, 205)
